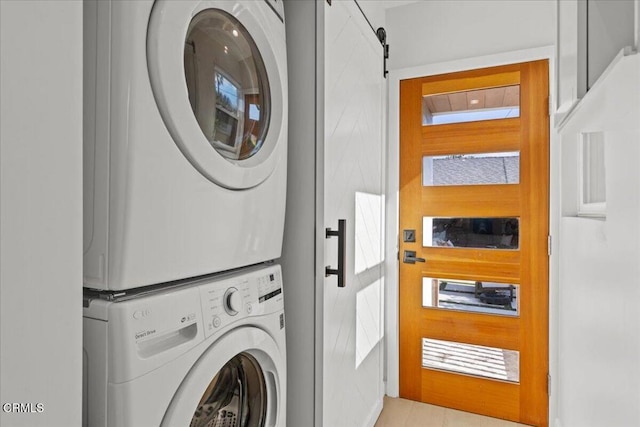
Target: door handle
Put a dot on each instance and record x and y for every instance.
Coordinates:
(409, 257)
(341, 234)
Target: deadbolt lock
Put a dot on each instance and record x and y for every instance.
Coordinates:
(408, 236)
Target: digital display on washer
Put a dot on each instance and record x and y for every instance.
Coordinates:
(268, 287)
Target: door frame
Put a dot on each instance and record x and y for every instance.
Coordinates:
(392, 203)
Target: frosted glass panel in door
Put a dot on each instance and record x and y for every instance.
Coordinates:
(353, 173)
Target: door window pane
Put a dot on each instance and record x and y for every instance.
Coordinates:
(227, 84)
(489, 233)
(471, 106)
(488, 362)
(472, 296)
(471, 169)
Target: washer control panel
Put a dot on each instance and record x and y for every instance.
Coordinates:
(229, 300)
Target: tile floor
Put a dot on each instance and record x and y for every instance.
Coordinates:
(407, 413)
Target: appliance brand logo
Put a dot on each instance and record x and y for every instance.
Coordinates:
(142, 313)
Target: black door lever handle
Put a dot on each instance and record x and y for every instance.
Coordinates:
(409, 257)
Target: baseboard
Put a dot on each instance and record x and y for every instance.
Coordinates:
(375, 413)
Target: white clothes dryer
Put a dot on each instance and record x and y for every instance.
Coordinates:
(202, 354)
(185, 138)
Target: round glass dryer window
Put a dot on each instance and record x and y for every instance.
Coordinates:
(237, 396)
(227, 84)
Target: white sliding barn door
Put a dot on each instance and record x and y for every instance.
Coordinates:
(353, 191)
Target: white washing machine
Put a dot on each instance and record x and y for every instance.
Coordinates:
(185, 138)
(203, 354)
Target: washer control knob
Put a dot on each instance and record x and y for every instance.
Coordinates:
(232, 301)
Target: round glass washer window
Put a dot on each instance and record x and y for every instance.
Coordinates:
(227, 84)
(237, 396)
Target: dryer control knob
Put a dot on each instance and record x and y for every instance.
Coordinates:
(232, 301)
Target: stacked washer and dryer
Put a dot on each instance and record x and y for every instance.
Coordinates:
(185, 151)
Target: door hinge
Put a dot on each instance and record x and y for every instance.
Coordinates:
(549, 385)
(549, 245)
(549, 106)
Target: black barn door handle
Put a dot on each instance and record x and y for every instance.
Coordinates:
(340, 271)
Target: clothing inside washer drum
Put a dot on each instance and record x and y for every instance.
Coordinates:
(236, 397)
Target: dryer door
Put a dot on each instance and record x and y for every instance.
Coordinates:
(217, 72)
(239, 382)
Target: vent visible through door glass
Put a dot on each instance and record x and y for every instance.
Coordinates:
(488, 362)
(227, 84)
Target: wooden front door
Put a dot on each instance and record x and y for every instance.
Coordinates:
(474, 209)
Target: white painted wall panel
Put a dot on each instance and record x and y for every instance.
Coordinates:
(599, 320)
(41, 212)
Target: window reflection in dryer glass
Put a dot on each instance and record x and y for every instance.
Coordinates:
(227, 84)
(237, 396)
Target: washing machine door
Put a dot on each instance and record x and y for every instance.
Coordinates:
(218, 70)
(238, 382)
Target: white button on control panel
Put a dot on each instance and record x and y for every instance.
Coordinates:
(216, 322)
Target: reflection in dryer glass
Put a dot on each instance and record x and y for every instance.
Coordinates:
(227, 84)
(236, 397)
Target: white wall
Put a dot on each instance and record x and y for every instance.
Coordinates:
(590, 35)
(611, 27)
(572, 64)
(435, 31)
(41, 212)
(599, 327)
(374, 10)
